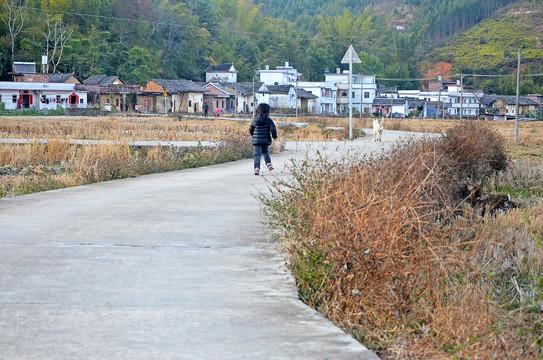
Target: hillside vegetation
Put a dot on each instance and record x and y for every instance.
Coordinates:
(492, 46)
(143, 39)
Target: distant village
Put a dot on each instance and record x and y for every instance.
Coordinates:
(281, 88)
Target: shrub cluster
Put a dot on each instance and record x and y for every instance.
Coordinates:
(386, 248)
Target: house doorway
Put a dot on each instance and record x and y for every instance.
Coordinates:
(26, 101)
(73, 99)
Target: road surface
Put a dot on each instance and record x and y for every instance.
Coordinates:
(178, 265)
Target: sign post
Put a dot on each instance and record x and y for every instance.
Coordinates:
(351, 57)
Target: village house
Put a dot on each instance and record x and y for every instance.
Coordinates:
(105, 89)
(283, 75)
(41, 96)
(223, 73)
(219, 97)
(504, 107)
(306, 101)
(171, 96)
(244, 96)
(390, 107)
(282, 96)
(364, 90)
(325, 93)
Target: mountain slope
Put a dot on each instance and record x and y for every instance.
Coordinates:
(491, 47)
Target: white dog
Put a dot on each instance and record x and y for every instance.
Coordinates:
(378, 129)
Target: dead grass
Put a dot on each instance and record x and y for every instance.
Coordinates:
(385, 248)
(33, 167)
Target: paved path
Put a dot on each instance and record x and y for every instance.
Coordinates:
(167, 266)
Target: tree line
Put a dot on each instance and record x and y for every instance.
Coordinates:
(143, 39)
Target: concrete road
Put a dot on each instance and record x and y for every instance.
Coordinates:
(167, 266)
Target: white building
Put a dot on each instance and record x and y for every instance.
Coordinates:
(326, 93)
(283, 75)
(363, 92)
(282, 96)
(17, 95)
(464, 103)
(223, 73)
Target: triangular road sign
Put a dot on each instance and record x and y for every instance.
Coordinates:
(355, 58)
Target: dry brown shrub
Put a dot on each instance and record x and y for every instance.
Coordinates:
(382, 247)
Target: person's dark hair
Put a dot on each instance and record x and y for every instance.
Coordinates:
(262, 108)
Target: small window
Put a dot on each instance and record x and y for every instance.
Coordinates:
(222, 103)
(353, 94)
(276, 83)
(14, 99)
(366, 94)
(81, 101)
(217, 103)
(190, 103)
(117, 102)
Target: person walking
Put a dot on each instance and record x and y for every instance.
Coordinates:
(262, 130)
(218, 112)
(206, 108)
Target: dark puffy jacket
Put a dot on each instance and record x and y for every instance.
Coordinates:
(262, 130)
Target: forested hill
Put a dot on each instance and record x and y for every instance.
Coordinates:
(442, 17)
(491, 47)
(143, 39)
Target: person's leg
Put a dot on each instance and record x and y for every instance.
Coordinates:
(257, 154)
(266, 153)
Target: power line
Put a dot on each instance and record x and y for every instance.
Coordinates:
(236, 32)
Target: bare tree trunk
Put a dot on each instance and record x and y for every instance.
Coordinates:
(58, 37)
(16, 13)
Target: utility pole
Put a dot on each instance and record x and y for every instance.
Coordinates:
(361, 95)
(518, 98)
(461, 96)
(440, 79)
(296, 93)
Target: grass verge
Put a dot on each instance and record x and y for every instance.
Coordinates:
(33, 167)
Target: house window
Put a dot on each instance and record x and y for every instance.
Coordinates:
(14, 99)
(344, 93)
(217, 103)
(353, 94)
(222, 104)
(276, 83)
(81, 101)
(117, 102)
(366, 94)
(190, 103)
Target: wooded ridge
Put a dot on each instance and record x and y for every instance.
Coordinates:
(143, 39)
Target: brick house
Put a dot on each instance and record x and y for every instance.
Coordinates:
(171, 96)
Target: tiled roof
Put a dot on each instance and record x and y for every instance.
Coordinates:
(180, 85)
(101, 80)
(304, 94)
(385, 101)
(508, 99)
(221, 88)
(60, 78)
(279, 89)
(220, 67)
